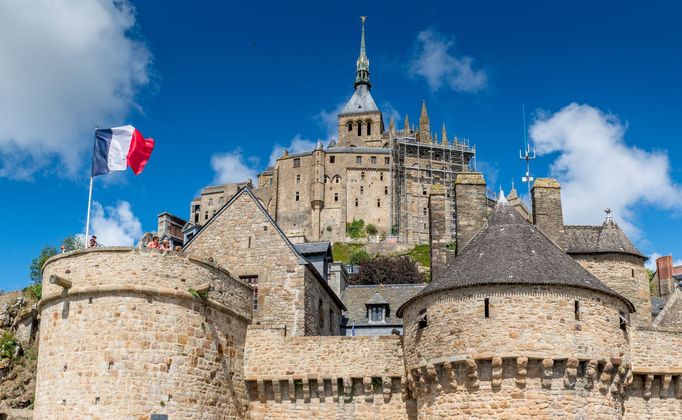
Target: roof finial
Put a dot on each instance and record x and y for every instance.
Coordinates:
(501, 199)
(362, 65)
(608, 212)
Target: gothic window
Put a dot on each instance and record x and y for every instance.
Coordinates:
(350, 126)
(373, 160)
(359, 123)
(358, 159)
(253, 282)
(297, 162)
(326, 179)
(332, 159)
(369, 127)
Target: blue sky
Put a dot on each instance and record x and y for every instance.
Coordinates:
(220, 85)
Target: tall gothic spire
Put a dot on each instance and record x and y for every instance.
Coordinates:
(424, 125)
(362, 72)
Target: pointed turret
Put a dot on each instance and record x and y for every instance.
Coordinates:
(444, 136)
(424, 125)
(407, 126)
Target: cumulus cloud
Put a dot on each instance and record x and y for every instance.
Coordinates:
(651, 262)
(233, 167)
(296, 145)
(599, 170)
(389, 112)
(115, 225)
(435, 61)
(65, 66)
(329, 120)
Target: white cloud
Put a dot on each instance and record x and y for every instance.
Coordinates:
(651, 262)
(296, 145)
(390, 112)
(329, 120)
(434, 61)
(115, 225)
(233, 167)
(598, 170)
(65, 66)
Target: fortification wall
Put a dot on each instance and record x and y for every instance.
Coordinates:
(325, 377)
(127, 339)
(531, 351)
(626, 275)
(656, 350)
(654, 396)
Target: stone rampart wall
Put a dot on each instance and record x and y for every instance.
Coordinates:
(656, 351)
(325, 377)
(129, 338)
(654, 397)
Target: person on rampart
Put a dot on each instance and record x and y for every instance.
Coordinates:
(154, 244)
(93, 242)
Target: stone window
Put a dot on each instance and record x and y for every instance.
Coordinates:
(356, 202)
(252, 281)
(632, 272)
(423, 320)
(362, 189)
(332, 159)
(359, 123)
(423, 190)
(622, 321)
(373, 160)
(350, 126)
(486, 307)
(375, 313)
(336, 196)
(381, 176)
(576, 310)
(358, 159)
(386, 190)
(297, 196)
(210, 201)
(369, 127)
(206, 215)
(214, 211)
(298, 179)
(337, 179)
(297, 162)
(424, 211)
(320, 314)
(362, 175)
(378, 202)
(386, 161)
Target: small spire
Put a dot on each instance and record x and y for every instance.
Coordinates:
(424, 117)
(424, 125)
(391, 124)
(501, 199)
(362, 65)
(407, 125)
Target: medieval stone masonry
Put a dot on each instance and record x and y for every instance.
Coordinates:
(523, 315)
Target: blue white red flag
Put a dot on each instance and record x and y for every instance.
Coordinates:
(118, 148)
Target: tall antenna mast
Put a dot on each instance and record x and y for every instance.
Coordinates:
(526, 155)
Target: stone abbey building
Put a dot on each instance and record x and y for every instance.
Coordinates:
(521, 319)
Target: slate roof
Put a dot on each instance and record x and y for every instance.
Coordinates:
(360, 102)
(657, 305)
(607, 238)
(377, 299)
(509, 250)
(313, 247)
(356, 298)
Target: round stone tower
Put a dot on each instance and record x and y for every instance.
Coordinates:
(128, 334)
(514, 326)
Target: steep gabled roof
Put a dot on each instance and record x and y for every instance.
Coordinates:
(360, 102)
(607, 238)
(509, 250)
(301, 260)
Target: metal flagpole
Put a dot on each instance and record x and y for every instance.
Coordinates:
(87, 219)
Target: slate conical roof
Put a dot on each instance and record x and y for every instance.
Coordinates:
(607, 238)
(509, 250)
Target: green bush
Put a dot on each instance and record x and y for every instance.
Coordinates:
(7, 345)
(341, 252)
(356, 229)
(421, 254)
(371, 229)
(359, 256)
(34, 291)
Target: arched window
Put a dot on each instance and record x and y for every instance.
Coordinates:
(369, 127)
(350, 126)
(359, 128)
(326, 179)
(337, 179)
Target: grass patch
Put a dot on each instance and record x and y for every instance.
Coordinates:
(421, 254)
(342, 252)
(34, 291)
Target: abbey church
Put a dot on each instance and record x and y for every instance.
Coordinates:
(524, 317)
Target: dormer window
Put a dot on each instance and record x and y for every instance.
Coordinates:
(377, 309)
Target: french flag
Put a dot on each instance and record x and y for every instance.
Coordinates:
(118, 148)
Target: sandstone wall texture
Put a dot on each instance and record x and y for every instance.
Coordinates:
(243, 239)
(471, 206)
(626, 275)
(325, 377)
(654, 397)
(128, 339)
(656, 351)
(547, 212)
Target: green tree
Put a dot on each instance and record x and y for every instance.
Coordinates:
(73, 243)
(356, 228)
(38, 262)
(371, 230)
(359, 256)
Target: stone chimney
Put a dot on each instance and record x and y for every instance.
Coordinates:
(664, 275)
(438, 234)
(337, 278)
(547, 213)
(470, 206)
